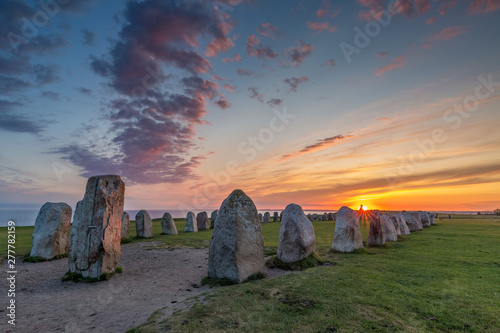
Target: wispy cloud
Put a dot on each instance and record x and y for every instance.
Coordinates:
(447, 34)
(396, 63)
(320, 144)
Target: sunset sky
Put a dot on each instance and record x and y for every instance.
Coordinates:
(323, 103)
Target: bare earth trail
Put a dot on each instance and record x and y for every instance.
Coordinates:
(152, 279)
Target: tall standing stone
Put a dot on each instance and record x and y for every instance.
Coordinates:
(413, 221)
(432, 218)
(143, 224)
(51, 234)
(202, 221)
(315, 217)
(376, 233)
(191, 224)
(261, 218)
(297, 239)
(267, 217)
(424, 217)
(96, 231)
(402, 224)
(347, 236)
(168, 226)
(125, 225)
(395, 222)
(237, 247)
(390, 232)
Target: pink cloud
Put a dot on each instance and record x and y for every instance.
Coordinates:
(259, 51)
(298, 54)
(382, 54)
(447, 34)
(446, 6)
(330, 63)
(229, 87)
(268, 30)
(218, 45)
(483, 6)
(398, 62)
(294, 82)
(431, 20)
(321, 26)
(236, 58)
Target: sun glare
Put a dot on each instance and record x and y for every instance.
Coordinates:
(363, 207)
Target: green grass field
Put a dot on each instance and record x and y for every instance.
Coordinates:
(442, 279)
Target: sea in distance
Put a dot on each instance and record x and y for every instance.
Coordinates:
(27, 217)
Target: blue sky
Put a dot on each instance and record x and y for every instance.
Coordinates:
(68, 108)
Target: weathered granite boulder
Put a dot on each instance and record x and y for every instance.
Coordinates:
(168, 226)
(125, 225)
(275, 217)
(297, 239)
(51, 234)
(424, 217)
(191, 224)
(96, 231)
(432, 217)
(376, 232)
(395, 222)
(267, 217)
(412, 221)
(390, 232)
(143, 224)
(261, 218)
(202, 221)
(347, 236)
(237, 246)
(213, 218)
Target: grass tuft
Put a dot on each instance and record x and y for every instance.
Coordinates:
(35, 259)
(313, 260)
(255, 277)
(77, 277)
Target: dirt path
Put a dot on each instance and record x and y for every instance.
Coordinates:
(152, 279)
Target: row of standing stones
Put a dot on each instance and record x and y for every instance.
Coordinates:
(236, 248)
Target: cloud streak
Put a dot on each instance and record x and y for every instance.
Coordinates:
(320, 144)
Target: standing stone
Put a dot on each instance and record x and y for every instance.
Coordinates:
(395, 222)
(168, 226)
(267, 216)
(202, 221)
(411, 221)
(275, 217)
(330, 217)
(213, 217)
(432, 218)
(309, 217)
(297, 239)
(390, 232)
(402, 224)
(376, 233)
(424, 217)
(237, 247)
(51, 234)
(96, 231)
(143, 224)
(325, 217)
(281, 216)
(191, 225)
(315, 217)
(260, 218)
(125, 225)
(347, 236)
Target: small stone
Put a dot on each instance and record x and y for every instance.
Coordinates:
(143, 224)
(297, 240)
(168, 226)
(191, 225)
(202, 221)
(51, 234)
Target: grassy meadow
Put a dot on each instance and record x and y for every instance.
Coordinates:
(445, 278)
